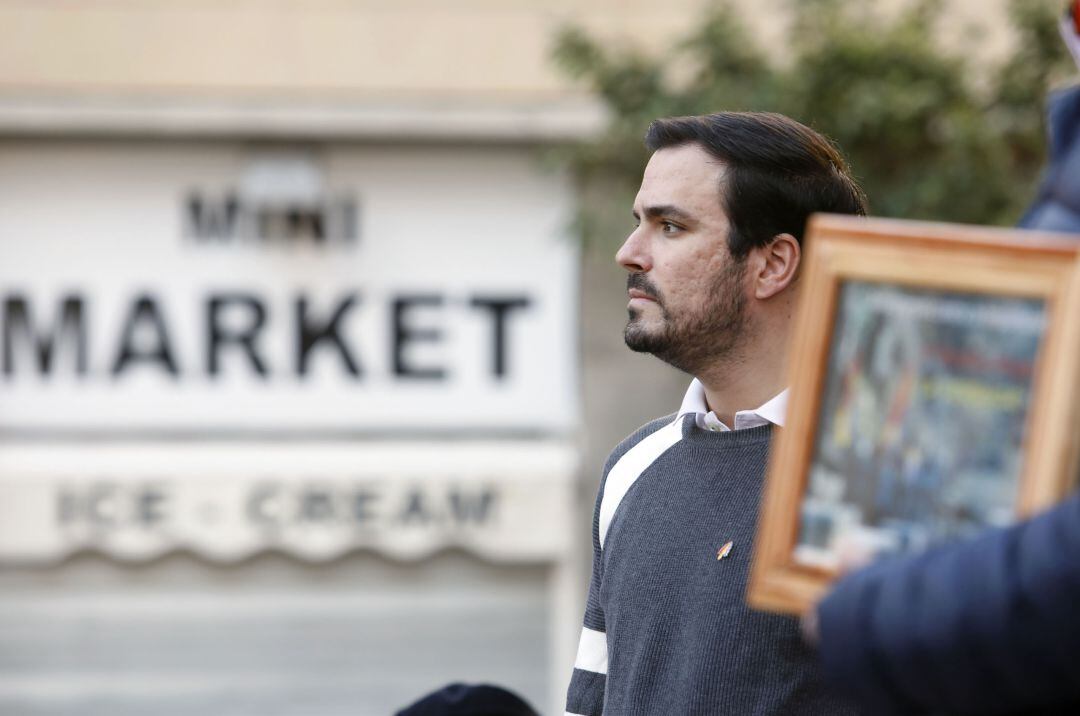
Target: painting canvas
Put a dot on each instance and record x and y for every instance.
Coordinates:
(933, 375)
(922, 420)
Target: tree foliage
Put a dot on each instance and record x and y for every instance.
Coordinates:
(928, 134)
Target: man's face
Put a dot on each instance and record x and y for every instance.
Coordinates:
(687, 293)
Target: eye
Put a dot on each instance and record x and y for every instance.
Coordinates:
(669, 228)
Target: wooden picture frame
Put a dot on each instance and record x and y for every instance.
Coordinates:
(994, 315)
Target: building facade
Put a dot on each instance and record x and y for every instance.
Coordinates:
(304, 382)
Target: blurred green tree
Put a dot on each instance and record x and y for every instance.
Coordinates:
(928, 135)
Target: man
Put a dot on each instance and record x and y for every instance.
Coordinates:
(712, 263)
(992, 625)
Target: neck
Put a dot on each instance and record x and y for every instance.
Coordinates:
(747, 382)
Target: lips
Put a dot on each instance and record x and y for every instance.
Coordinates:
(638, 286)
(636, 293)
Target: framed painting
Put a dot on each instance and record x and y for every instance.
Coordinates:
(933, 372)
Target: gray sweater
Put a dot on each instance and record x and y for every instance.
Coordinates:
(667, 629)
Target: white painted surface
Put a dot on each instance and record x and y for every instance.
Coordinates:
(271, 636)
(544, 120)
(132, 545)
(105, 222)
(505, 501)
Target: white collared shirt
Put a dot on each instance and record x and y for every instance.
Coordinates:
(772, 411)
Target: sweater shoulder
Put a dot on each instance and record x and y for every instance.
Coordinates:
(633, 439)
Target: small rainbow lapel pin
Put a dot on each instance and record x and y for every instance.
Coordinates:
(724, 551)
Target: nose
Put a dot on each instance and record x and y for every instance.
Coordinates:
(632, 255)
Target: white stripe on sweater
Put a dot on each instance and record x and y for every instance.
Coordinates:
(592, 651)
(629, 468)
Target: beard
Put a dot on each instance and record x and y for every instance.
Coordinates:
(693, 340)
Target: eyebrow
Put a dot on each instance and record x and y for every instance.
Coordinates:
(668, 211)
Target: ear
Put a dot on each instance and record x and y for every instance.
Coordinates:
(776, 266)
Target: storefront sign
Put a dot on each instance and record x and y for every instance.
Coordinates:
(210, 290)
(504, 501)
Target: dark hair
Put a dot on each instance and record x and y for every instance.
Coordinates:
(778, 172)
(469, 700)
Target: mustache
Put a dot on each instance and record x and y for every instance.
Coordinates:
(641, 282)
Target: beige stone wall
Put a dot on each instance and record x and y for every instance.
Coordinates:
(327, 47)
(494, 49)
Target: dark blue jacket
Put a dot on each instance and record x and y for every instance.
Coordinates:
(990, 626)
(1057, 205)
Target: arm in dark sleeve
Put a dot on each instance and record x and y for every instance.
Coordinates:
(987, 626)
(585, 695)
(1057, 203)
